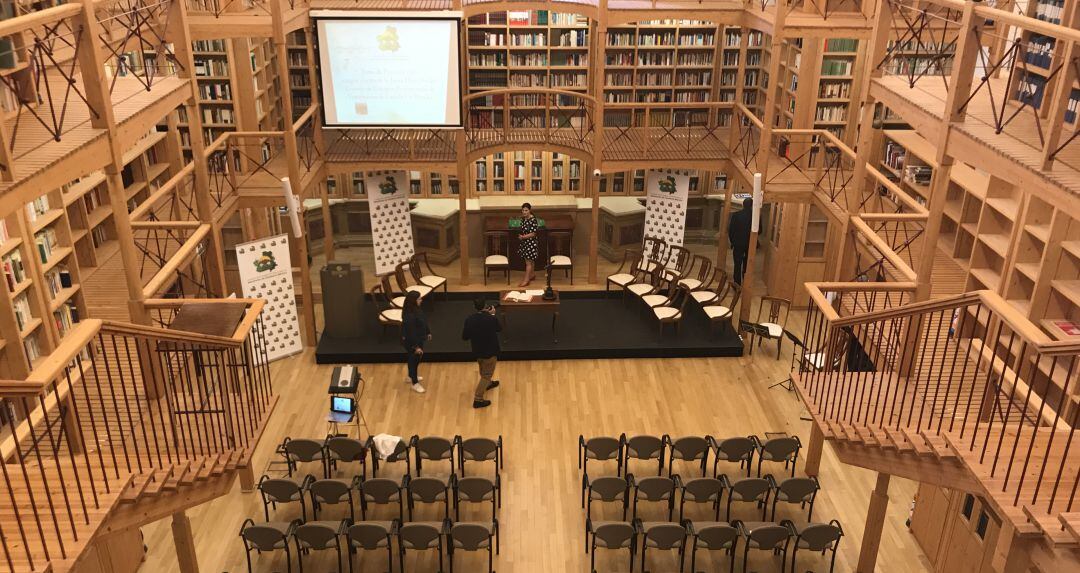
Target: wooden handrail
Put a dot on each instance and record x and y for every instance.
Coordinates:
(182, 256)
(255, 307)
(161, 192)
(38, 18)
(164, 334)
(749, 115)
(300, 121)
(166, 224)
(512, 90)
(884, 248)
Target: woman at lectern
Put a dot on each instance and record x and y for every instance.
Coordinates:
(414, 333)
(528, 246)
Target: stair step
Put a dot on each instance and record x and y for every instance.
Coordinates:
(917, 443)
(899, 440)
(1052, 528)
(939, 445)
(1071, 522)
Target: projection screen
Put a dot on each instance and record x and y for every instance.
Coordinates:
(389, 69)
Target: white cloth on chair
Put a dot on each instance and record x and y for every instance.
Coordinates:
(775, 330)
(385, 444)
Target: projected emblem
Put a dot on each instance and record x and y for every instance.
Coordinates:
(668, 185)
(388, 187)
(388, 40)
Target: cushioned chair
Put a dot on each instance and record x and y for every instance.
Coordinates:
(302, 450)
(666, 290)
(475, 490)
(333, 492)
(401, 274)
(422, 273)
(711, 293)
(699, 275)
(473, 536)
(654, 254)
(645, 283)
(432, 449)
(783, 449)
(816, 537)
(600, 448)
(688, 449)
(605, 489)
(764, 536)
(561, 252)
(797, 490)
(702, 490)
(283, 490)
(712, 536)
(402, 453)
(496, 253)
(738, 449)
(420, 536)
(396, 298)
(773, 315)
(373, 536)
(672, 311)
(749, 490)
(343, 449)
(643, 447)
(679, 260)
(655, 489)
(428, 490)
(479, 450)
(723, 308)
(319, 536)
(267, 537)
(389, 315)
(613, 535)
(626, 272)
(663, 536)
(381, 491)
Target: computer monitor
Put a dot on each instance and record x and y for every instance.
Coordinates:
(341, 404)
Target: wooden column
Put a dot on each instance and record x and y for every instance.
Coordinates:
(186, 556)
(1060, 102)
(763, 153)
(463, 215)
(814, 449)
(594, 236)
(593, 176)
(722, 243)
(875, 521)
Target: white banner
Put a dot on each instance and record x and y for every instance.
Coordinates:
(266, 273)
(665, 206)
(391, 225)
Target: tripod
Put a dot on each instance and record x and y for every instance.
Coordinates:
(789, 382)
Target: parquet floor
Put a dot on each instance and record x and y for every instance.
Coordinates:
(540, 409)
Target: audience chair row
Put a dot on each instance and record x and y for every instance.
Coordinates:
(695, 449)
(712, 536)
(340, 449)
(380, 491)
(629, 492)
(445, 536)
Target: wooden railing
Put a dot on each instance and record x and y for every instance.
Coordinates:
(117, 402)
(969, 370)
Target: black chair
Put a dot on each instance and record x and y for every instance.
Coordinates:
(783, 449)
(655, 489)
(283, 490)
(479, 450)
(421, 536)
(381, 491)
(401, 454)
(688, 449)
(333, 492)
(817, 537)
(712, 536)
(600, 448)
(797, 490)
(319, 536)
(663, 536)
(702, 490)
(302, 450)
(737, 450)
(432, 449)
(428, 490)
(343, 449)
(472, 536)
(475, 490)
(643, 447)
(605, 489)
(749, 490)
(372, 536)
(764, 536)
(267, 537)
(612, 535)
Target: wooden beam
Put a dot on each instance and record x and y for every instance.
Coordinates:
(875, 521)
(186, 556)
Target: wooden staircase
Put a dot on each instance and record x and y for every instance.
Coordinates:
(125, 427)
(951, 400)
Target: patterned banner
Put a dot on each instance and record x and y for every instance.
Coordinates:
(266, 273)
(391, 224)
(665, 205)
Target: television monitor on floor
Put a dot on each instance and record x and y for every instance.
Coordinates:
(389, 69)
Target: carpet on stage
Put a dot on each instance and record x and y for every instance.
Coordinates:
(591, 324)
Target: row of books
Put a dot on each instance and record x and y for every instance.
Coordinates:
(918, 174)
(299, 80)
(57, 280)
(654, 78)
(834, 67)
(493, 59)
(66, 317)
(208, 67)
(693, 78)
(1040, 51)
(697, 39)
(14, 272)
(841, 45)
(4, 235)
(1050, 10)
(297, 59)
(691, 97)
(23, 315)
(529, 59)
(572, 38)
(1073, 106)
(46, 243)
(209, 45)
(831, 113)
(921, 47)
(697, 59)
(894, 155)
(218, 114)
(37, 207)
(221, 90)
(834, 90)
(32, 348)
(568, 59)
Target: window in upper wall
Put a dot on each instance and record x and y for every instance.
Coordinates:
(969, 506)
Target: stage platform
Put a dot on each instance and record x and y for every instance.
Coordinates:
(592, 324)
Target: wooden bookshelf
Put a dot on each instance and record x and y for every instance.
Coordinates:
(301, 88)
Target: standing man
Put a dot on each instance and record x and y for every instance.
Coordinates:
(482, 330)
(739, 236)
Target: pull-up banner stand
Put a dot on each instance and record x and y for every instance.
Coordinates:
(266, 273)
(667, 192)
(391, 224)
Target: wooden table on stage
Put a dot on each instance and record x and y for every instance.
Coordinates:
(536, 304)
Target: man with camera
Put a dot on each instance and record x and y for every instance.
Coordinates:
(482, 331)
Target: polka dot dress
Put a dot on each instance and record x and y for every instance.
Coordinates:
(528, 248)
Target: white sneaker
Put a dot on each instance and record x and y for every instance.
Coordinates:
(418, 379)
(418, 388)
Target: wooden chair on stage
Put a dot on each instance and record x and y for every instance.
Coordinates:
(773, 315)
(665, 292)
(702, 279)
(724, 307)
(496, 253)
(561, 252)
(654, 253)
(403, 283)
(680, 260)
(624, 275)
(395, 299)
(645, 283)
(418, 263)
(705, 297)
(389, 315)
(672, 312)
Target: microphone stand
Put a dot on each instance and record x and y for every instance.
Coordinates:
(549, 294)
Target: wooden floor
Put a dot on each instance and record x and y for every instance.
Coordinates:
(540, 410)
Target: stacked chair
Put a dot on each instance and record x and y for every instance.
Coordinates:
(440, 480)
(618, 472)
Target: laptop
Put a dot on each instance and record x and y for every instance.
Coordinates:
(342, 409)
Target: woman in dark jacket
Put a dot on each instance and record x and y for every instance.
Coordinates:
(414, 333)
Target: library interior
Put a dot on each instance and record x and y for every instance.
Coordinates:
(264, 260)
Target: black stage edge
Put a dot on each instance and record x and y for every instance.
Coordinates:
(592, 324)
